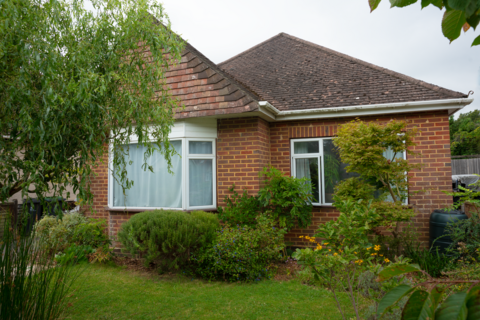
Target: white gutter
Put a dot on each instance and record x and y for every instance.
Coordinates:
(452, 105)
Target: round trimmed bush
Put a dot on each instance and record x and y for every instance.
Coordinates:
(168, 237)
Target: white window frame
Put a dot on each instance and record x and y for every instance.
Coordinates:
(185, 178)
(320, 158)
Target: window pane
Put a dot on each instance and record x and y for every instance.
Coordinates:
(200, 182)
(200, 147)
(308, 168)
(334, 169)
(151, 189)
(305, 147)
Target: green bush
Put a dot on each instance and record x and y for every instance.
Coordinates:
(74, 254)
(242, 210)
(168, 237)
(431, 261)
(241, 253)
(355, 189)
(56, 234)
(288, 200)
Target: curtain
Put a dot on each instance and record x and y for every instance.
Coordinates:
(200, 191)
(308, 168)
(151, 189)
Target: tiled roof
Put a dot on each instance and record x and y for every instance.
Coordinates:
(205, 90)
(293, 74)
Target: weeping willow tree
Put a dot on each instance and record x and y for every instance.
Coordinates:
(73, 81)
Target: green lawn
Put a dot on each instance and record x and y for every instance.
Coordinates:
(111, 292)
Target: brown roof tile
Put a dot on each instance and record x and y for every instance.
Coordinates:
(292, 73)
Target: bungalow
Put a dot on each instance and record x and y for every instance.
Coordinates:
(280, 103)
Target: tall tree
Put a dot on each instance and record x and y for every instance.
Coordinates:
(73, 81)
(465, 134)
(459, 14)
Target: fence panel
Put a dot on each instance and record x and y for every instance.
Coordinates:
(466, 166)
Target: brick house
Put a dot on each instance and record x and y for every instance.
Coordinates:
(280, 103)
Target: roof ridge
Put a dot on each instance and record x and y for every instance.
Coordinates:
(251, 49)
(399, 75)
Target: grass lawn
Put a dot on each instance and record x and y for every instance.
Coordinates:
(112, 292)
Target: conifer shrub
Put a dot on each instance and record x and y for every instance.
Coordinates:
(241, 253)
(168, 237)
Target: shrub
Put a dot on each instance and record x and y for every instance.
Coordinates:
(287, 200)
(241, 210)
(31, 286)
(353, 188)
(241, 253)
(74, 254)
(431, 261)
(56, 234)
(167, 237)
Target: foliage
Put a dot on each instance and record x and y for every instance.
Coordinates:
(331, 170)
(287, 200)
(465, 235)
(427, 299)
(354, 189)
(242, 210)
(465, 134)
(74, 254)
(430, 260)
(458, 14)
(242, 253)
(362, 145)
(73, 81)
(352, 227)
(56, 235)
(168, 237)
(469, 196)
(31, 287)
(393, 247)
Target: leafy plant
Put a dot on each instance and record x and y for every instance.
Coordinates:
(242, 253)
(430, 260)
(354, 189)
(56, 235)
(287, 200)
(362, 145)
(74, 254)
(242, 210)
(168, 237)
(458, 14)
(427, 300)
(465, 235)
(31, 285)
(74, 81)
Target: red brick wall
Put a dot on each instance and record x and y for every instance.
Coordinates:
(246, 145)
(433, 142)
(99, 187)
(243, 149)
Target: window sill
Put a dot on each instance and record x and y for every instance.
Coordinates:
(136, 210)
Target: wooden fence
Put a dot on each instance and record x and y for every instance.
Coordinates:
(466, 166)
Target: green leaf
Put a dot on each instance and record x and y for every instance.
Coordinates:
(453, 308)
(460, 5)
(401, 3)
(419, 306)
(426, 3)
(476, 42)
(373, 4)
(452, 23)
(392, 297)
(396, 270)
(473, 21)
(473, 303)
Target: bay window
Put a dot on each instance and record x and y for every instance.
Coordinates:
(190, 187)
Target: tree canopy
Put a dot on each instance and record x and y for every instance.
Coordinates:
(465, 134)
(459, 14)
(73, 81)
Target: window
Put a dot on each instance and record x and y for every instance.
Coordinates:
(192, 186)
(318, 160)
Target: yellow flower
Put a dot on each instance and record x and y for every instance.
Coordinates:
(377, 247)
(335, 254)
(301, 237)
(329, 249)
(369, 248)
(386, 260)
(381, 255)
(327, 243)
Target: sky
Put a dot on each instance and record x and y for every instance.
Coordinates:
(407, 40)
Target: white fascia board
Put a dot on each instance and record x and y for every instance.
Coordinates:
(452, 105)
